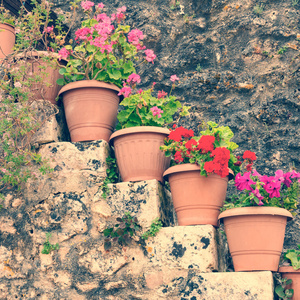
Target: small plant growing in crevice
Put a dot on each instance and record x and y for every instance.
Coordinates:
(111, 175)
(282, 50)
(155, 227)
(48, 247)
(199, 68)
(281, 289)
(258, 9)
(122, 232)
(176, 5)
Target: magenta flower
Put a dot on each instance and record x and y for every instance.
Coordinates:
(86, 5)
(173, 78)
(125, 91)
(279, 175)
(287, 181)
(150, 56)
(82, 33)
(272, 188)
(243, 182)
(63, 53)
(140, 91)
(295, 174)
(48, 29)
(156, 111)
(134, 78)
(256, 174)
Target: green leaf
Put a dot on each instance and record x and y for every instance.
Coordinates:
(62, 71)
(60, 81)
(114, 74)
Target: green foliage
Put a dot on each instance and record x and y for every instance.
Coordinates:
(258, 9)
(177, 5)
(111, 175)
(295, 2)
(6, 17)
(155, 227)
(122, 232)
(199, 68)
(281, 289)
(282, 50)
(48, 247)
(293, 257)
(137, 110)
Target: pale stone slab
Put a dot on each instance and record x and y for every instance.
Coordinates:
(184, 247)
(218, 286)
(65, 156)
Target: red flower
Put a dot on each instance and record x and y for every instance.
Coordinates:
(178, 157)
(206, 143)
(180, 132)
(221, 154)
(249, 167)
(249, 155)
(189, 145)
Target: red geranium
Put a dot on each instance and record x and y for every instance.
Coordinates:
(249, 155)
(206, 143)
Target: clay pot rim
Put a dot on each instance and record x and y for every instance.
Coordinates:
(288, 269)
(246, 211)
(87, 84)
(189, 167)
(137, 129)
(12, 26)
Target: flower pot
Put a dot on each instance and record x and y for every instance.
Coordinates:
(7, 39)
(91, 109)
(291, 273)
(255, 236)
(34, 64)
(197, 199)
(138, 153)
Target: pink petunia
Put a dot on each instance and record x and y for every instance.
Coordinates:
(243, 182)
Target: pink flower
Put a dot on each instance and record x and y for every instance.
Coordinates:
(18, 85)
(255, 173)
(174, 78)
(3, 170)
(257, 194)
(49, 29)
(125, 91)
(287, 181)
(243, 182)
(63, 53)
(82, 33)
(161, 94)
(86, 5)
(150, 56)
(134, 78)
(140, 91)
(279, 176)
(295, 174)
(156, 111)
(134, 36)
(100, 6)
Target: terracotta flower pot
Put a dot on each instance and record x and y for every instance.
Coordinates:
(255, 236)
(91, 109)
(7, 39)
(138, 153)
(291, 273)
(34, 65)
(197, 199)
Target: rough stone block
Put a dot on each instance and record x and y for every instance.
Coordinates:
(184, 247)
(146, 200)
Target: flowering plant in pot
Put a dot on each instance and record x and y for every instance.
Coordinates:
(105, 53)
(7, 32)
(262, 201)
(290, 273)
(142, 130)
(201, 167)
(33, 61)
